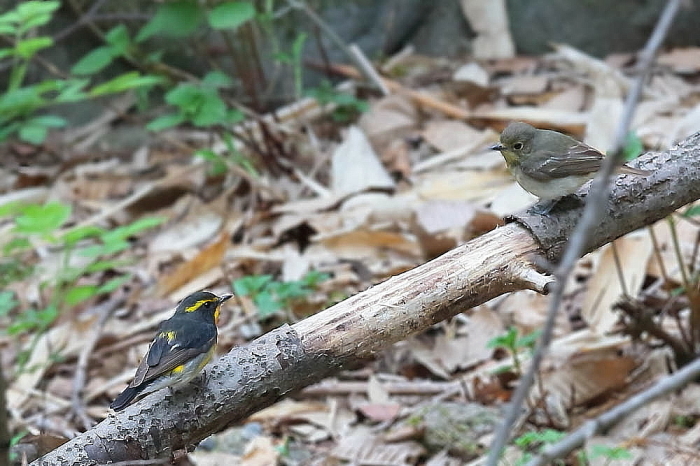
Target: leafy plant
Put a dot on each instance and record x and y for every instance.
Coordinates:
(611, 454)
(21, 103)
(348, 106)
(85, 251)
(271, 296)
(513, 343)
(536, 441)
(199, 104)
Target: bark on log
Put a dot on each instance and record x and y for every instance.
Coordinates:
(289, 358)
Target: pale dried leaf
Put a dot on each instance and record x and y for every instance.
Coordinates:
(681, 60)
(380, 412)
(472, 72)
(449, 135)
(472, 185)
(571, 99)
(288, 409)
(213, 458)
(526, 84)
(260, 452)
(356, 167)
(438, 216)
(376, 392)
(389, 118)
(686, 235)
(603, 118)
(200, 226)
(364, 243)
(604, 287)
(367, 449)
(653, 417)
(527, 310)
(207, 259)
(584, 378)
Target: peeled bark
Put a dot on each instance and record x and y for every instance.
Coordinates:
(287, 359)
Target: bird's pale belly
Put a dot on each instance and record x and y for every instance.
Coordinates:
(552, 189)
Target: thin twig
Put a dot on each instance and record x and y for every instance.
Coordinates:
(595, 205)
(367, 68)
(587, 430)
(618, 269)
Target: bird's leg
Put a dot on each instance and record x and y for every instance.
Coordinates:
(568, 201)
(543, 207)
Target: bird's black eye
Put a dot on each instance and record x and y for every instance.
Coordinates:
(518, 145)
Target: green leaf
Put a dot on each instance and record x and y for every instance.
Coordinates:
(165, 122)
(94, 61)
(72, 91)
(314, 277)
(174, 19)
(234, 116)
(113, 284)
(7, 29)
(102, 265)
(231, 15)
(217, 79)
(80, 293)
(35, 13)
(132, 229)
(507, 340)
(42, 219)
(267, 304)
(77, 234)
(16, 244)
(218, 164)
(28, 47)
(124, 82)
(7, 302)
(251, 285)
(50, 121)
(33, 134)
(118, 38)
(611, 453)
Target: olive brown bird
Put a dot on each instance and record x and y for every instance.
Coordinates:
(550, 164)
(184, 344)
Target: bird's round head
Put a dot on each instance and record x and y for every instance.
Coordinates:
(202, 302)
(516, 141)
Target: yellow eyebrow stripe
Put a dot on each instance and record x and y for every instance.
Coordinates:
(198, 304)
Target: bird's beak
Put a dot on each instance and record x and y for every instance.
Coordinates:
(225, 297)
(497, 147)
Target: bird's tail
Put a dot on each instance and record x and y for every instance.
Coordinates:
(633, 171)
(125, 397)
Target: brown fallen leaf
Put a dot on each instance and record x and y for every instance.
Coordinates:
(208, 258)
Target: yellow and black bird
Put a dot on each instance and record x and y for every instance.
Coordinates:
(184, 344)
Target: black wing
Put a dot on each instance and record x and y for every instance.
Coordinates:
(178, 341)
